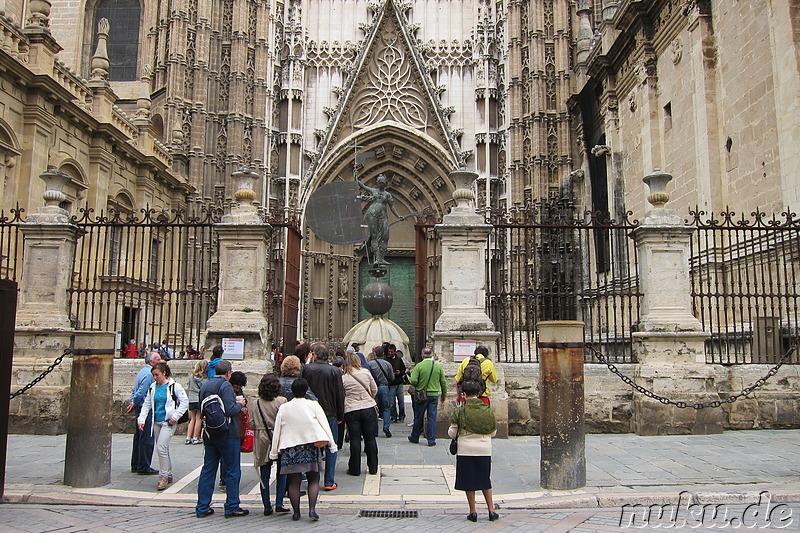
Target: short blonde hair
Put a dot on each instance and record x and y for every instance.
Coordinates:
(290, 366)
(200, 368)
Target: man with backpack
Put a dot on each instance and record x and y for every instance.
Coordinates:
(477, 368)
(218, 408)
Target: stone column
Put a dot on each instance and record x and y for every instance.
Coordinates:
(243, 253)
(87, 457)
(464, 235)
(43, 325)
(670, 342)
(562, 435)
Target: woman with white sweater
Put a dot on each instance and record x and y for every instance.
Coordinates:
(473, 425)
(165, 403)
(360, 414)
(301, 434)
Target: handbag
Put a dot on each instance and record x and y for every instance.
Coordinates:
(421, 394)
(454, 443)
(248, 441)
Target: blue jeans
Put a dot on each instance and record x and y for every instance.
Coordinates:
(280, 488)
(330, 458)
(143, 443)
(396, 393)
(383, 405)
(430, 406)
(215, 450)
(264, 471)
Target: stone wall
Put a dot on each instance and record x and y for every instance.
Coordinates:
(608, 401)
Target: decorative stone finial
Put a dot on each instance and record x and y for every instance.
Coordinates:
(54, 181)
(143, 103)
(100, 62)
(40, 13)
(243, 179)
(657, 183)
(463, 194)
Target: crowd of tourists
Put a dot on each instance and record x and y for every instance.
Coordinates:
(315, 400)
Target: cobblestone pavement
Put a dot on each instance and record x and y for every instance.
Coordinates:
(108, 519)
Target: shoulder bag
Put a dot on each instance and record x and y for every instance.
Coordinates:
(421, 394)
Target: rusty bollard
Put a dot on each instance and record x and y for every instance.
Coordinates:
(563, 446)
(87, 461)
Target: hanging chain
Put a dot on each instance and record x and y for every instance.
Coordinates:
(683, 405)
(41, 376)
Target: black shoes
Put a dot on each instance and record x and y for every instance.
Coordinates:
(148, 472)
(493, 516)
(268, 512)
(238, 512)
(313, 516)
(432, 443)
(203, 515)
(472, 517)
(387, 433)
(412, 441)
(281, 510)
(296, 516)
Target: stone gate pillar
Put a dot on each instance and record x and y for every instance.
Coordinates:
(43, 326)
(464, 235)
(243, 255)
(670, 342)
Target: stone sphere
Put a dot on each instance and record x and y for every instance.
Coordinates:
(377, 298)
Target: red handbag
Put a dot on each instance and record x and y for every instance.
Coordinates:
(249, 438)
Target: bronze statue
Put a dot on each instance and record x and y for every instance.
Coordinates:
(378, 199)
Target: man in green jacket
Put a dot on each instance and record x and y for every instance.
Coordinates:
(427, 375)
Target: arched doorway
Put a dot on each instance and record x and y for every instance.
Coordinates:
(333, 276)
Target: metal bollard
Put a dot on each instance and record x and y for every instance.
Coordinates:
(563, 445)
(87, 461)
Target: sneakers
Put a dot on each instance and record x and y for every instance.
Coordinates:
(187, 441)
(197, 441)
(162, 483)
(332, 487)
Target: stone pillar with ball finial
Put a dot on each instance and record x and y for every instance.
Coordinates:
(243, 255)
(669, 341)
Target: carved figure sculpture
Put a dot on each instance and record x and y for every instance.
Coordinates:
(378, 199)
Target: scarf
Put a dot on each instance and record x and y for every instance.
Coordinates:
(475, 416)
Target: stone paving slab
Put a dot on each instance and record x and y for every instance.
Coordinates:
(620, 468)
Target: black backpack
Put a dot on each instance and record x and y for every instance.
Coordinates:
(473, 372)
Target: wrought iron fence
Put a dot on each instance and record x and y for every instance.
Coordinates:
(745, 273)
(11, 244)
(545, 261)
(149, 275)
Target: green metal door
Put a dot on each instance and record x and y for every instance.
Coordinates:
(400, 278)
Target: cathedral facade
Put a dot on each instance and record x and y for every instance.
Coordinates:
(540, 97)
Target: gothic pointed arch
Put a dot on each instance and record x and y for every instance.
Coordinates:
(389, 88)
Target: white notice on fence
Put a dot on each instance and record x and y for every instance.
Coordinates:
(233, 349)
(463, 349)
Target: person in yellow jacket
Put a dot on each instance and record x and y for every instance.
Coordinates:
(488, 372)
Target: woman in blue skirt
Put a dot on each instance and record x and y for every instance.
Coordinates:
(473, 425)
